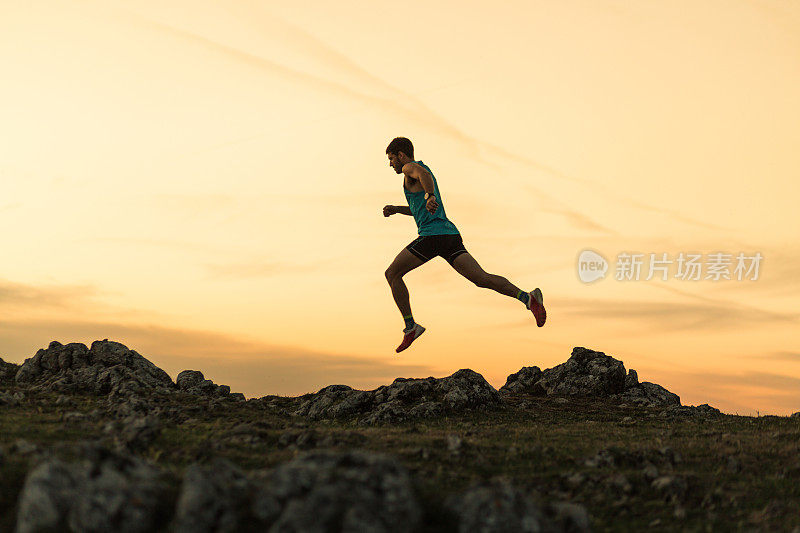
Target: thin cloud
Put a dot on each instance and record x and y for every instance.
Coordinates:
(330, 56)
(779, 355)
(664, 316)
(260, 269)
(252, 367)
(675, 215)
(158, 243)
(412, 105)
(580, 220)
(671, 316)
(26, 296)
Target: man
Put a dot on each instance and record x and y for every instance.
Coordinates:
(437, 236)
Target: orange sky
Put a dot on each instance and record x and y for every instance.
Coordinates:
(204, 182)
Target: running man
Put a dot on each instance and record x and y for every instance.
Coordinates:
(437, 236)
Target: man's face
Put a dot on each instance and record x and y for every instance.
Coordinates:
(394, 162)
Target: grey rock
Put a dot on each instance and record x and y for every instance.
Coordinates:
(105, 492)
(571, 517)
(671, 487)
(213, 498)
(193, 382)
(138, 432)
(302, 439)
(703, 411)
(617, 457)
(525, 381)
(497, 506)
(589, 373)
(7, 372)
(467, 389)
(189, 379)
(650, 471)
(632, 379)
(796, 415)
(649, 395)
(426, 410)
(386, 413)
(342, 491)
(404, 399)
(23, 447)
(619, 482)
(585, 373)
(46, 498)
(6, 398)
(454, 444)
(323, 404)
(105, 367)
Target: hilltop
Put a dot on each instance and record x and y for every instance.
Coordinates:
(99, 438)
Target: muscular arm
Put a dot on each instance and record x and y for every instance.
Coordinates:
(416, 172)
(403, 209)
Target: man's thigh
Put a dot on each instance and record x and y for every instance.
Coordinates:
(405, 262)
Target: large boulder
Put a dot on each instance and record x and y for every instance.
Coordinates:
(214, 497)
(106, 367)
(351, 491)
(405, 398)
(104, 492)
(497, 506)
(589, 373)
(526, 381)
(193, 382)
(585, 373)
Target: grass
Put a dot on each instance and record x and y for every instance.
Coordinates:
(539, 448)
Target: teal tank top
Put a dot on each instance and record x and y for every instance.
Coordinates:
(428, 223)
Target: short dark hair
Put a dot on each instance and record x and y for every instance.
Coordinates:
(401, 144)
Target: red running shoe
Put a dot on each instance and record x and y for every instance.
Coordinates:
(411, 336)
(536, 306)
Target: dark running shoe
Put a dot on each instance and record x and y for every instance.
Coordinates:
(536, 306)
(410, 336)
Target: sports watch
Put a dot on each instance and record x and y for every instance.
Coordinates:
(429, 195)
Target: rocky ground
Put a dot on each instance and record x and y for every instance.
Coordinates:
(100, 439)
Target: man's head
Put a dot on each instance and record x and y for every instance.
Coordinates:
(400, 152)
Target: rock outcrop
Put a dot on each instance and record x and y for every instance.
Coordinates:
(7, 371)
(350, 491)
(498, 506)
(106, 367)
(193, 382)
(588, 373)
(346, 491)
(403, 399)
(104, 492)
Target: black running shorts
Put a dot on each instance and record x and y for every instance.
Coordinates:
(426, 247)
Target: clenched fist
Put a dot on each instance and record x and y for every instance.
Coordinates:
(431, 204)
(389, 210)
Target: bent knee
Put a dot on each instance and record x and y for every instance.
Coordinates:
(392, 274)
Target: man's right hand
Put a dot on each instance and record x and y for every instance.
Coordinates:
(389, 210)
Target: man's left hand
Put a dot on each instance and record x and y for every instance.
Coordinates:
(431, 205)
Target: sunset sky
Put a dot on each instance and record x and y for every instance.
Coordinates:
(204, 182)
